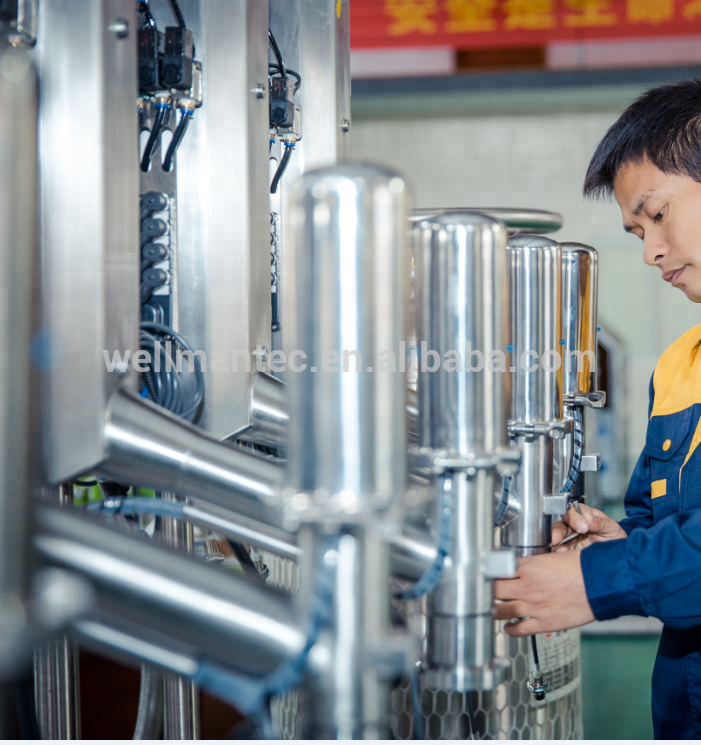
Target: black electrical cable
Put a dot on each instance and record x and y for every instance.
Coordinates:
(155, 132)
(177, 138)
(276, 52)
(534, 646)
(282, 166)
(471, 715)
(166, 382)
(275, 70)
(78, 482)
(245, 561)
(178, 15)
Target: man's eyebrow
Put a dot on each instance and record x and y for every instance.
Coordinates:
(641, 202)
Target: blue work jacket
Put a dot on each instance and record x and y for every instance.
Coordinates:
(656, 570)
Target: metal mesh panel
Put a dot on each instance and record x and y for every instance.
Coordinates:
(509, 712)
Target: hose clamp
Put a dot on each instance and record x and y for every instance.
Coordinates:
(556, 428)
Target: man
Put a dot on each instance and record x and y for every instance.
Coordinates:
(650, 563)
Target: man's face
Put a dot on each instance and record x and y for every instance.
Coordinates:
(664, 211)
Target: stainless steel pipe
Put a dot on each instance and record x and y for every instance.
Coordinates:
(18, 254)
(347, 437)
(269, 415)
(579, 331)
(345, 305)
(462, 321)
(580, 269)
(164, 594)
(148, 446)
(535, 272)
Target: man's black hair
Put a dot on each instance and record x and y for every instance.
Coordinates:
(662, 126)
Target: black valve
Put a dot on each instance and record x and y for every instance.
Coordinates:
(152, 279)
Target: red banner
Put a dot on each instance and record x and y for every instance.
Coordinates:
(498, 23)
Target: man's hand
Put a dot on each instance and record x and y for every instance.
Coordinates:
(592, 525)
(548, 592)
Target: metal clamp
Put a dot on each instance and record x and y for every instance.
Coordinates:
(555, 504)
(590, 463)
(427, 460)
(593, 400)
(557, 428)
(501, 564)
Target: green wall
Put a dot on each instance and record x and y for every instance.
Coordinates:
(616, 674)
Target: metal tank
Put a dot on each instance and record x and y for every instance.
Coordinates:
(462, 326)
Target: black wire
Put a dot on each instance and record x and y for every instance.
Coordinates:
(276, 52)
(178, 15)
(155, 131)
(275, 69)
(150, 20)
(535, 651)
(471, 715)
(177, 139)
(281, 169)
(245, 560)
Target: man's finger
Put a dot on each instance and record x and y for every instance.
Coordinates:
(523, 628)
(511, 609)
(506, 589)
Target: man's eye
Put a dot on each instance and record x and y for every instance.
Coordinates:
(658, 216)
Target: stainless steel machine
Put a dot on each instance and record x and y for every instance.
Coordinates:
(209, 342)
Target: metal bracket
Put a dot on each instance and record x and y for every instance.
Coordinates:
(500, 564)
(504, 460)
(555, 504)
(593, 400)
(590, 463)
(557, 428)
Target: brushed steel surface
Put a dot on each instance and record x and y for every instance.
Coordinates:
(89, 221)
(18, 255)
(222, 197)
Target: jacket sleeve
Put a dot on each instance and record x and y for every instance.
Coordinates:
(654, 572)
(638, 500)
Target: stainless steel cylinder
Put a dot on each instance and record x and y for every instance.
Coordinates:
(579, 308)
(18, 252)
(535, 273)
(181, 703)
(159, 594)
(580, 265)
(269, 415)
(149, 446)
(345, 371)
(462, 324)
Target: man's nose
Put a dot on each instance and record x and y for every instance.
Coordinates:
(654, 248)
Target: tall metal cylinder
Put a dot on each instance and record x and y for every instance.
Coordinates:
(345, 373)
(580, 269)
(579, 307)
(347, 432)
(18, 252)
(463, 321)
(535, 266)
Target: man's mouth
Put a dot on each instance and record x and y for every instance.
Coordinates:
(673, 275)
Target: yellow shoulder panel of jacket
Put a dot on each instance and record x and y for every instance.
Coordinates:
(677, 377)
